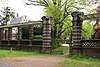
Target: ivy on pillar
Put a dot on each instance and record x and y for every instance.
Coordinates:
(46, 34)
(77, 32)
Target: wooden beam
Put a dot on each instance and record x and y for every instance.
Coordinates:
(21, 24)
(90, 17)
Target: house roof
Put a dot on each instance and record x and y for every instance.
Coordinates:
(19, 20)
(15, 20)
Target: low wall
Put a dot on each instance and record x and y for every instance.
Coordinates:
(87, 47)
(91, 47)
(28, 45)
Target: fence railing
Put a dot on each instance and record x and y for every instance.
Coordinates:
(90, 43)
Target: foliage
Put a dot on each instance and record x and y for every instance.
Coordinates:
(60, 50)
(68, 28)
(55, 42)
(59, 12)
(6, 15)
(87, 30)
(38, 37)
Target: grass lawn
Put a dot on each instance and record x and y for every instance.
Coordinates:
(69, 61)
(81, 61)
(7, 53)
(76, 60)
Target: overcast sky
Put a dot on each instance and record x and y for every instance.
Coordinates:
(19, 6)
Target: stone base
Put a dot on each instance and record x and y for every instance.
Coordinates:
(46, 49)
(89, 51)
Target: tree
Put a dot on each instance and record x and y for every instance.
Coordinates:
(7, 14)
(59, 10)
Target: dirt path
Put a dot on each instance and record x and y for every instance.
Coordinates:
(35, 61)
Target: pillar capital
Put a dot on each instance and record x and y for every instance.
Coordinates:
(46, 18)
(76, 16)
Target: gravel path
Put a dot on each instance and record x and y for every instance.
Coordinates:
(35, 61)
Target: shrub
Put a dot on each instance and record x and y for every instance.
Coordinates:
(38, 37)
(55, 42)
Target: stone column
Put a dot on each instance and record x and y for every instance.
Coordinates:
(19, 33)
(77, 32)
(46, 34)
(1, 33)
(6, 34)
(9, 33)
(31, 32)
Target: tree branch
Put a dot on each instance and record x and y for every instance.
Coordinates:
(37, 3)
(34, 4)
(64, 30)
(33, 1)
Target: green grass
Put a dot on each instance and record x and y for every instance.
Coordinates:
(60, 50)
(76, 60)
(7, 53)
(81, 61)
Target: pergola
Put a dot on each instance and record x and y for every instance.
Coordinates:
(6, 34)
(87, 47)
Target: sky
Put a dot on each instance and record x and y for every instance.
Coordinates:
(32, 12)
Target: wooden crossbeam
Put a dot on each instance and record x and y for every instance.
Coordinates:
(90, 17)
(21, 24)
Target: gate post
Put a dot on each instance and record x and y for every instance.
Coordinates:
(46, 47)
(76, 33)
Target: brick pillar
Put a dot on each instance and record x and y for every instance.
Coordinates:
(46, 34)
(1, 33)
(6, 34)
(9, 33)
(19, 33)
(76, 32)
(31, 32)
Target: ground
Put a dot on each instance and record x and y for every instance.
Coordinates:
(33, 61)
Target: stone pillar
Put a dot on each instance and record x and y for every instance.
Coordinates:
(6, 34)
(46, 34)
(9, 33)
(1, 33)
(31, 32)
(19, 33)
(77, 32)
